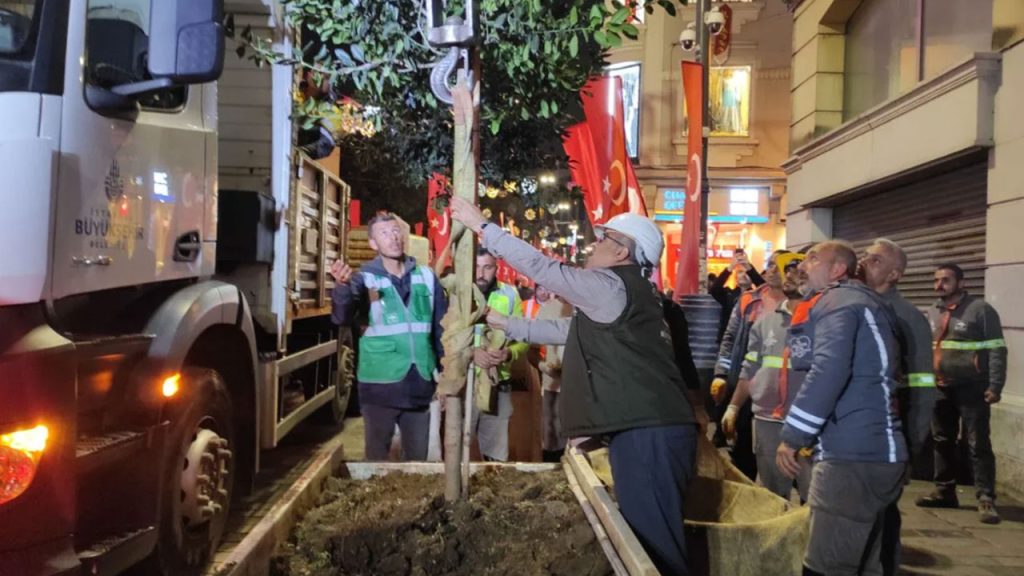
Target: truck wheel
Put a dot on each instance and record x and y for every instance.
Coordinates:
(199, 475)
(334, 411)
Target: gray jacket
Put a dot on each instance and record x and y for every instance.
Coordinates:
(917, 392)
(969, 336)
(763, 365)
(847, 343)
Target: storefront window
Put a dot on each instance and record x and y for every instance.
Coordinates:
(630, 74)
(891, 45)
(743, 201)
(729, 100)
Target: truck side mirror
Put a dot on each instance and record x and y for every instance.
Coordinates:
(186, 40)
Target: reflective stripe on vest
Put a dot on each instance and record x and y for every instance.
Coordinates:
(530, 308)
(399, 335)
(921, 380)
(767, 361)
(976, 345)
(503, 300)
(775, 362)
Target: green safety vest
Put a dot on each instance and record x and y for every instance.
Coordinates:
(398, 336)
(503, 299)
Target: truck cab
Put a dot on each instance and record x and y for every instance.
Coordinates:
(143, 369)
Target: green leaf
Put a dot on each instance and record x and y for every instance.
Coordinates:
(669, 8)
(630, 31)
(601, 38)
(344, 58)
(620, 15)
(574, 16)
(596, 14)
(357, 52)
(495, 125)
(574, 46)
(545, 111)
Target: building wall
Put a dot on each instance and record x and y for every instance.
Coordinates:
(969, 107)
(1005, 260)
(760, 39)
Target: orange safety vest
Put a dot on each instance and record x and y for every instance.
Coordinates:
(800, 315)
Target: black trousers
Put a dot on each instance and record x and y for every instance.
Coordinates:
(742, 452)
(955, 404)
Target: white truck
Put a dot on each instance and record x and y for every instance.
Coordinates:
(164, 286)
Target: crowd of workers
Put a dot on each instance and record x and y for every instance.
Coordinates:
(828, 380)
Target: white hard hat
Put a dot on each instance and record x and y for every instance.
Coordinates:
(648, 239)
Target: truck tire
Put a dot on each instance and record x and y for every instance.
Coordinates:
(199, 473)
(333, 412)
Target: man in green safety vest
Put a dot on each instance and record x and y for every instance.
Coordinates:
(403, 304)
(491, 428)
(970, 370)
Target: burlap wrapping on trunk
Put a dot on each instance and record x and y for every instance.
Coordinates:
(733, 526)
(457, 340)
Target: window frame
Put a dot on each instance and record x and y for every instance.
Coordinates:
(138, 100)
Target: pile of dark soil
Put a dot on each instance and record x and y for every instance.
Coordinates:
(399, 524)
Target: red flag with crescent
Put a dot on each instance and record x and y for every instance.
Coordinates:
(688, 272)
(596, 148)
(439, 222)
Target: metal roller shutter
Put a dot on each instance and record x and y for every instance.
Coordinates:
(937, 219)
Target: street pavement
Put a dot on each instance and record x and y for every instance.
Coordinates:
(954, 542)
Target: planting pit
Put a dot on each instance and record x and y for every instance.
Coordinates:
(514, 522)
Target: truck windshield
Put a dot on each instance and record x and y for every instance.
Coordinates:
(16, 25)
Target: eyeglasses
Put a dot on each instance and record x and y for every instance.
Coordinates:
(608, 236)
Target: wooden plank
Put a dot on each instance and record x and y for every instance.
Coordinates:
(595, 523)
(634, 557)
(366, 470)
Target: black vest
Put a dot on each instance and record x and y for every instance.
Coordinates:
(622, 375)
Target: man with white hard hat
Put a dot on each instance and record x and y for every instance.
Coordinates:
(619, 378)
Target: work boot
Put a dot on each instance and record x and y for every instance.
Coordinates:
(987, 509)
(937, 500)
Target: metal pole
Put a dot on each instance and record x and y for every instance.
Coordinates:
(467, 421)
(704, 56)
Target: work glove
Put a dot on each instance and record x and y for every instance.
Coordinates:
(719, 389)
(729, 420)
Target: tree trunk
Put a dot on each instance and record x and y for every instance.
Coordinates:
(464, 186)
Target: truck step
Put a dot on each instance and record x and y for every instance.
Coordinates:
(116, 554)
(93, 452)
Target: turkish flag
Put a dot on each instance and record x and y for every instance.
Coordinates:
(596, 148)
(687, 273)
(439, 222)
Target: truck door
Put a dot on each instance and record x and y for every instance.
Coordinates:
(130, 201)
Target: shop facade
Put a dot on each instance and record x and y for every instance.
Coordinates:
(906, 125)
